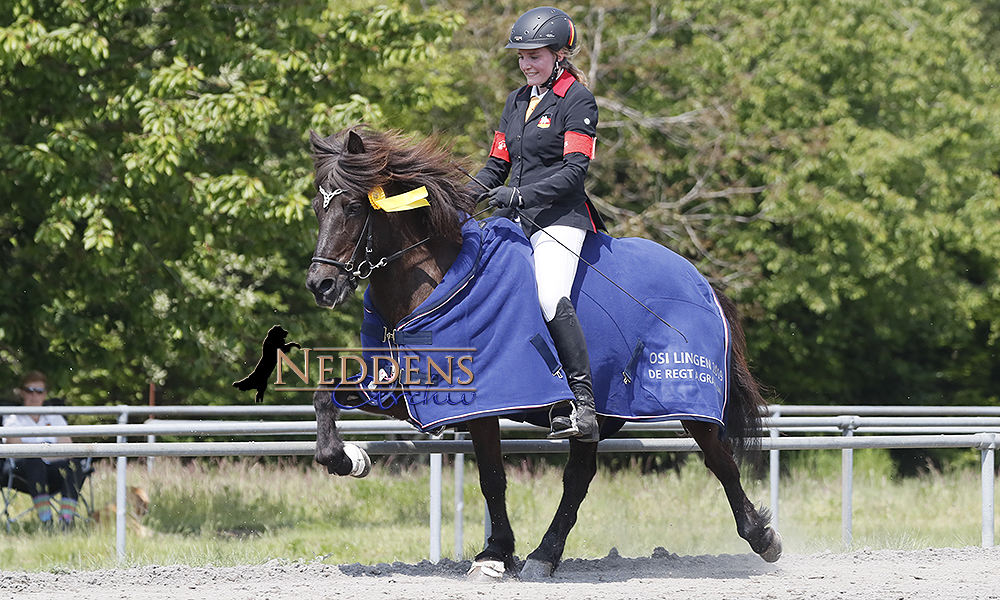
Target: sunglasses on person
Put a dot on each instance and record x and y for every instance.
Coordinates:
(34, 390)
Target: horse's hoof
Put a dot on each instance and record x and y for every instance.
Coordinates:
(360, 461)
(486, 571)
(773, 552)
(536, 570)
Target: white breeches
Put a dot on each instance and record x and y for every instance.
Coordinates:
(555, 266)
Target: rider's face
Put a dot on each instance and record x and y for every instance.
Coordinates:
(536, 64)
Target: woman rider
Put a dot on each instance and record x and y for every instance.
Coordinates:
(544, 144)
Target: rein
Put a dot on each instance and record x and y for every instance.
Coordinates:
(366, 267)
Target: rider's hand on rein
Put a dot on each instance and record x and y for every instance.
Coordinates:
(505, 197)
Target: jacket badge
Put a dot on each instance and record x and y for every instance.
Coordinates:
(544, 122)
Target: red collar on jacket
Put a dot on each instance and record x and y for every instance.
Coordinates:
(562, 84)
(560, 87)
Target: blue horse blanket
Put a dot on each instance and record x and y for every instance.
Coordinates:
(478, 345)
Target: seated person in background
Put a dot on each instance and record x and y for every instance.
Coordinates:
(45, 476)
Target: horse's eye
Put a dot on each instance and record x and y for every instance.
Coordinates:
(353, 208)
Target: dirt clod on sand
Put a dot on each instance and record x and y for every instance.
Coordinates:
(933, 574)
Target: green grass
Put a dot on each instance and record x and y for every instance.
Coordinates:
(230, 512)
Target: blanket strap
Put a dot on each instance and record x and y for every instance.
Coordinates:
(633, 361)
(403, 338)
(550, 360)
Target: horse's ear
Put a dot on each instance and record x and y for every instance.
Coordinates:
(354, 144)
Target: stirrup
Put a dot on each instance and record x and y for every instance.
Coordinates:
(560, 426)
(569, 427)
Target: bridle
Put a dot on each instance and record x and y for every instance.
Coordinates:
(364, 268)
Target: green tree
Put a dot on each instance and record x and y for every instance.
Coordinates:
(875, 245)
(832, 165)
(156, 181)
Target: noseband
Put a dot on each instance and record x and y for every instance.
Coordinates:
(365, 268)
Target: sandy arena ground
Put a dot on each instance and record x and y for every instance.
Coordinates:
(939, 574)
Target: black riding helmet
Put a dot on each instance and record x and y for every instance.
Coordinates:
(542, 27)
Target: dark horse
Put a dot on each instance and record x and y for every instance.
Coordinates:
(406, 254)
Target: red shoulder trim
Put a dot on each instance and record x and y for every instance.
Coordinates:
(575, 141)
(593, 226)
(562, 84)
(499, 149)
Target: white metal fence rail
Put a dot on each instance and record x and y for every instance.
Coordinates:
(884, 427)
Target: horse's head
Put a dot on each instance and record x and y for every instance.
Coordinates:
(342, 208)
(376, 197)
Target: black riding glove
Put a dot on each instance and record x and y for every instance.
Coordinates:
(504, 197)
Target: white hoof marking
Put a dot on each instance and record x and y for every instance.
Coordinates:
(360, 459)
(486, 570)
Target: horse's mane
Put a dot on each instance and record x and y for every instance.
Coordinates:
(398, 164)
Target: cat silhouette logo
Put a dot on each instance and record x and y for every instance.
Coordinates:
(257, 380)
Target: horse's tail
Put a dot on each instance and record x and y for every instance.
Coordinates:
(746, 406)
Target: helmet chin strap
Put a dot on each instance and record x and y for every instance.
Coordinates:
(556, 70)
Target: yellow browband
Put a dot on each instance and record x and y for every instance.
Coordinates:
(407, 201)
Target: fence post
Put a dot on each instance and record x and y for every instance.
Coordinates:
(149, 459)
(121, 507)
(435, 507)
(988, 451)
(459, 499)
(775, 473)
(847, 483)
(151, 438)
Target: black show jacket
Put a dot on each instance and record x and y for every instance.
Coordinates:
(546, 158)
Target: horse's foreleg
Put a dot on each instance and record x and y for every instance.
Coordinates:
(331, 452)
(579, 472)
(493, 482)
(751, 524)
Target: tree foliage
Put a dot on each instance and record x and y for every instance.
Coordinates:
(868, 259)
(830, 164)
(877, 251)
(154, 160)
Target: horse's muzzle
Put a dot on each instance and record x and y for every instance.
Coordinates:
(329, 286)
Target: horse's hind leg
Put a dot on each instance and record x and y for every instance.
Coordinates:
(493, 482)
(580, 471)
(751, 524)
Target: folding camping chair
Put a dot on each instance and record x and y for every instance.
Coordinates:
(11, 484)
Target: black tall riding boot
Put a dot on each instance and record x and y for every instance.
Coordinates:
(572, 349)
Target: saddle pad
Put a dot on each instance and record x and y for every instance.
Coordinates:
(485, 316)
(643, 369)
